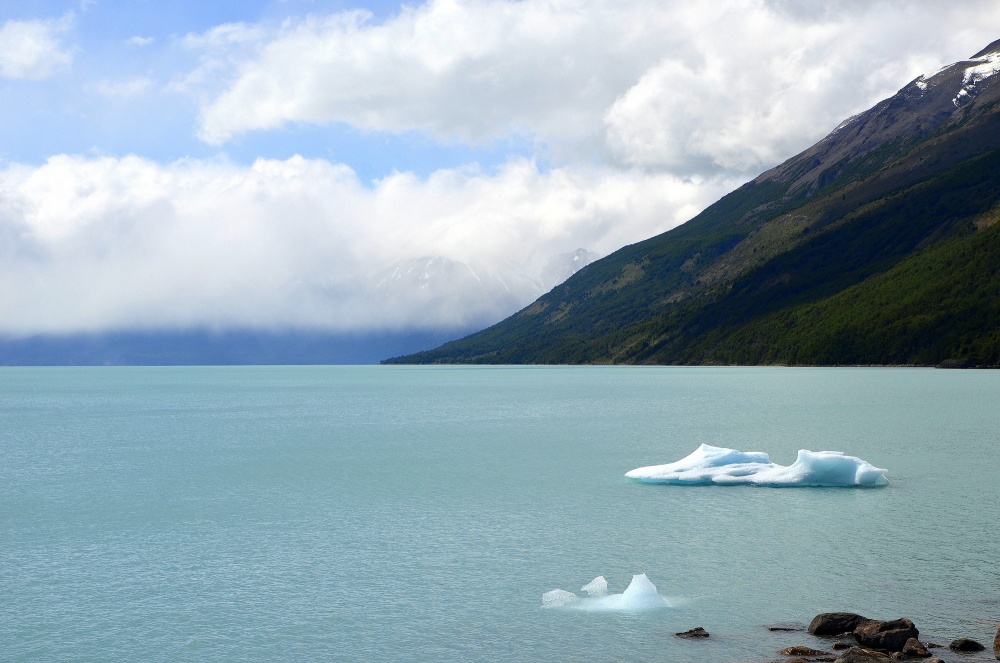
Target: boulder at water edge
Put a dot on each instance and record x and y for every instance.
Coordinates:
(996, 644)
(835, 623)
(802, 650)
(913, 647)
(966, 644)
(860, 655)
(697, 632)
(891, 636)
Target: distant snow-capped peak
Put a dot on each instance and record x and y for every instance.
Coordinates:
(469, 292)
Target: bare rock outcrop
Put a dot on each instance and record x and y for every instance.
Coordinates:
(966, 644)
(836, 623)
(890, 636)
(697, 632)
(914, 647)
(862, 655)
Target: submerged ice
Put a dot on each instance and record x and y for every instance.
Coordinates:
(718, 465)
(641, 595)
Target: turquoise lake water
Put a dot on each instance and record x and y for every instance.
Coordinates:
(419, 513)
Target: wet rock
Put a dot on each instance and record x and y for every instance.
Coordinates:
(891, 635)
(786, 626)
(837, 646)
(965, 644)
(802, 650)
(835, 623)
(996, 644)
(934, 660)
(861, 655)
(697, 632)
(913, 647)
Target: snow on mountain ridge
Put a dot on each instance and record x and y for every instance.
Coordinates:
(467, 293)
(984, 64)
(988, 66)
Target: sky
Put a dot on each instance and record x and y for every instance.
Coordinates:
(369, 166)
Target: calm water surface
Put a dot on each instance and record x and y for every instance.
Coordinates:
(418, 514)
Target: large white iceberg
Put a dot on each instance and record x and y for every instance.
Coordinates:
(640, 596)
(718, 465)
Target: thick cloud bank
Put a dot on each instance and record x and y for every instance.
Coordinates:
(640, 596)
(729, 467)
(94, 244)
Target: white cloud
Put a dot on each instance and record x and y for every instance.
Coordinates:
(471, 71)
(33, 50)
(735, 85)
(132, 87)
(140, 41)
(222, 49)
(116, 243)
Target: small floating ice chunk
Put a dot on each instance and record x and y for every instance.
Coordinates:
(640, 596)
(558, 598)
(717, 465)
(596, 587)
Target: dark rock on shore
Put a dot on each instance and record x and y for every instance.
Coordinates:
(861, 655)
(913, 647)
(891, 635)
(966, 644)
(996, 644)
(697, 632)
(836, 623)
(957, 363)
(802, 650)
(840, 645)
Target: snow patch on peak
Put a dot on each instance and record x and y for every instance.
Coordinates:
(846, 123)
(987, 66)
(927, 77)
(984, 67)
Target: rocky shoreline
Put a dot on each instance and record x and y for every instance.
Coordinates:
(863, 640)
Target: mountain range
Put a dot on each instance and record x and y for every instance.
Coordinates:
(879, 245)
